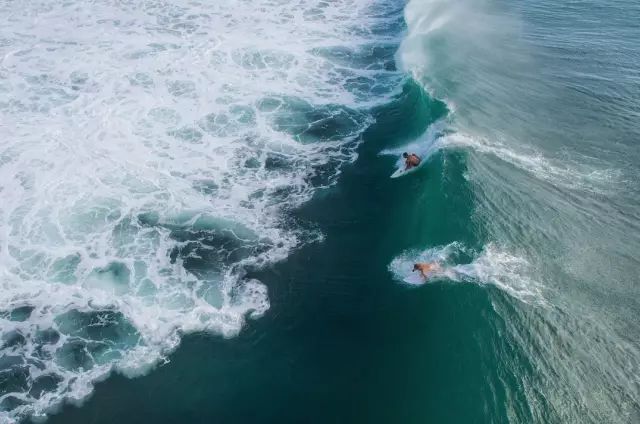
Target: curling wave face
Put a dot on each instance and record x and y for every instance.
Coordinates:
(544, 98)
(148, 157)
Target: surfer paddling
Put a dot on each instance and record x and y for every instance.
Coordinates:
(426, 268)
(410, 160)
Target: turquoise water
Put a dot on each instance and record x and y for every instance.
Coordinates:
(198, 223)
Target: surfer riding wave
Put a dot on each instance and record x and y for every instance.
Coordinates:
(411, 160)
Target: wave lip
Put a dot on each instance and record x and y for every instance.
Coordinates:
(564, 174)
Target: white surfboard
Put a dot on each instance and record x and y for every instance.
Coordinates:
(402, 171)
(415, 279)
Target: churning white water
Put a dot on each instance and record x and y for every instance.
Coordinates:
(149, 152)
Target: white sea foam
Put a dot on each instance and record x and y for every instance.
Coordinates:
(566, 174)
(508, 272)
(148, 154)
(424, 146)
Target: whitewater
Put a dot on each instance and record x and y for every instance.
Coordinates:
(148, 153)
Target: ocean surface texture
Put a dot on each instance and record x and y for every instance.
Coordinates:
(197, 223)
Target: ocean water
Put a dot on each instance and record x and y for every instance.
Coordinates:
(198, 224)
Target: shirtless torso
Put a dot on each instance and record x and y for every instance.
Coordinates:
(425, 268)
(411, 161)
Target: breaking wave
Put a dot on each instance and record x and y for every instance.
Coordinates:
(150, 153)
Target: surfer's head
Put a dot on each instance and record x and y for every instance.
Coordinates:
(415, 266)
(405, 155)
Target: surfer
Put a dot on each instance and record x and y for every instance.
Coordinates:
(410, 160)
(425, 268)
